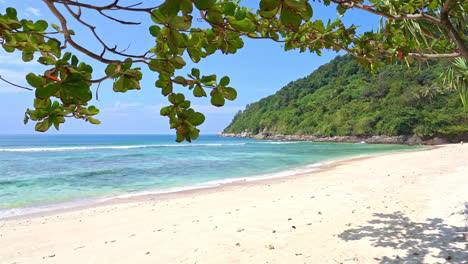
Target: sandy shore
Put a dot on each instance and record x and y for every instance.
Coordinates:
(394, 208)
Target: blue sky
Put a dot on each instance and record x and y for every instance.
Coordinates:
(258, 70)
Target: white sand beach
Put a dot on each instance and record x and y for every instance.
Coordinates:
(407, 207)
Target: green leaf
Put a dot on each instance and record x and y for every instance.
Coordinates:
(197, 119)
(244, 25)
(208, 79)
(34, 80)
(181, 23)
(11, 13)
(230, 93)
(26, 119)
(217, 99)
(154, 30)
(40, 25)
(94, 121)
(47, 91)
(110, 69)
(268, 5)
(66, 56)
(165, 111)
(224, 81)
(180, 80)
(196, 72)
(28, 55)
(124, 84)
(185, 104)
(93, 110)
(194, 133)
(47, 60)
(43, 126)
(158, 17)
(74, 60)
(289, 17)
(199, 91)
(229, 9)
(204, 4)
(41, 104)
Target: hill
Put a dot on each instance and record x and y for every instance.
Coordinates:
(341, 98)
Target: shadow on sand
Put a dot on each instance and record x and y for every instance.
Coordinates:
(415, 242)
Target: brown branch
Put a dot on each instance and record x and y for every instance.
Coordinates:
(117, 71)
(447, 25)
(19, 86)
(68, 38)
(118, 20)
(422, 16)
(93, 30)
(114, 6)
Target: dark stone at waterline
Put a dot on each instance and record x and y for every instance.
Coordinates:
(381, 139)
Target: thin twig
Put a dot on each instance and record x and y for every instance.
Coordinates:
(16, 85)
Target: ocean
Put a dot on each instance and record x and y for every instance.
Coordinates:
(45, 172)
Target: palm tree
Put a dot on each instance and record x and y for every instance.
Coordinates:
(456, 78)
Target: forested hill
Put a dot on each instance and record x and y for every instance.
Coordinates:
(342, 98)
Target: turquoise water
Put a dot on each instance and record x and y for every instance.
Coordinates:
(43, 170)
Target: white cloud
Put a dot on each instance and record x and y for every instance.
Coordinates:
(16, 77)
(120, 107)
(33, 11)
(13, 59)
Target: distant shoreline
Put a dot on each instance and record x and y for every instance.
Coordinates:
(380, 139)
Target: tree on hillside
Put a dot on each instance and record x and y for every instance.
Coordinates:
(408, 29)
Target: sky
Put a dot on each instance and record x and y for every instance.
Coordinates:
(258, 70)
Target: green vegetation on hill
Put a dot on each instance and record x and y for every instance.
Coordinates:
(342, 98)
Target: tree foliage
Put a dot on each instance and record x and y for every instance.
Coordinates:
(342, 98)
(408, 30)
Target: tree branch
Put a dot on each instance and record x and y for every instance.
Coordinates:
(447, 25)
(19, 86)
(93, 30)
(68, 39)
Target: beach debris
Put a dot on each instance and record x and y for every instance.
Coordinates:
(238, 244)
(294, 227)
(448, 258)
(289, 219)
(270, 247)
(298, 254)
(274, 231)
(240, 230)
(147, 253)
(319, 213)
(50, 256)
(79, 247)
(132, 235)
(309, 223)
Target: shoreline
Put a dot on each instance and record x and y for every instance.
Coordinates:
(384, 208)
(379, 139)
(308, 170)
